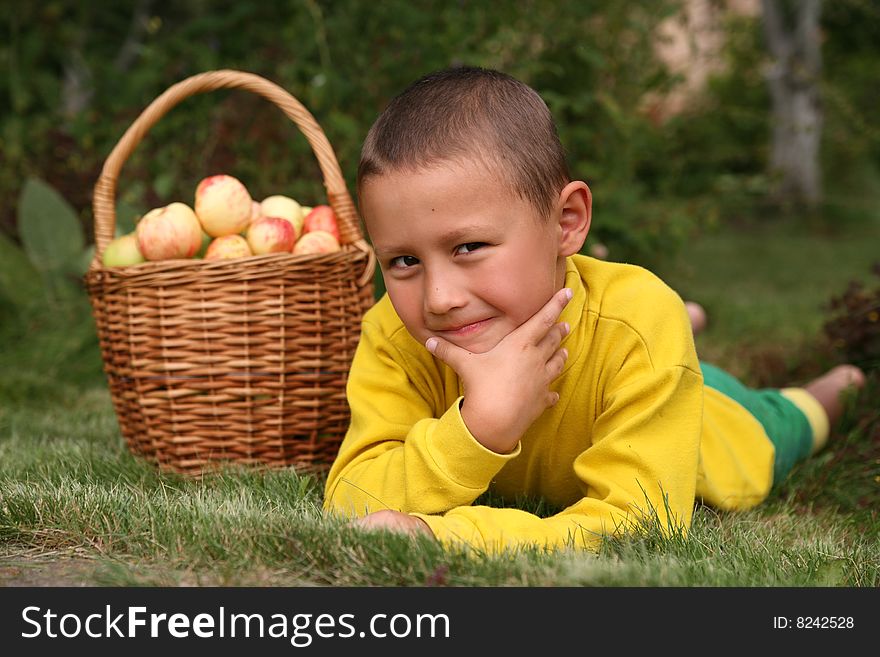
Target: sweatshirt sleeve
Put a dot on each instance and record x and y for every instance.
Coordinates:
(403, 449)
(639, 471)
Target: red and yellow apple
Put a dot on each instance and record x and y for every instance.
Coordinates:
(122, 252)
(270, 235)
(316, 241)
(227, 247)
(256, 210)
(169, 232)
(285, 207)
(323, 218)
(223, 205)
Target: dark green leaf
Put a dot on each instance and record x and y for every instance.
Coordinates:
(50, 230)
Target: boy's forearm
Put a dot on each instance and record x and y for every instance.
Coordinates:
(500, 437)
(437, 466)
(493, 530)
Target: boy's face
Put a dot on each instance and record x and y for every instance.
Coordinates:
(463, 257)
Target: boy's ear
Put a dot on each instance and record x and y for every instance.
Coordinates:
(575, 212)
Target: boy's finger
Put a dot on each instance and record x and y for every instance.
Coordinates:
(542, 321)
(550, 342)
(557, 363)
(446, 351)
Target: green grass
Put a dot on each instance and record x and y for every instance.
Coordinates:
(766, 288)
(76, 507)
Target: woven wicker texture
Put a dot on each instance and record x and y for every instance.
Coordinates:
(238, 361)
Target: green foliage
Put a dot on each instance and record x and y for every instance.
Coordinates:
(49, 229)
(52, 238)
(851, 138)
(715, 149)
(853, 325)
(96, 67)
(51, 349)
(20, 283)
(80, 73)
(44, 312)
(766, 286)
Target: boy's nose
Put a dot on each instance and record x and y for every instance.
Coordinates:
(442, 294)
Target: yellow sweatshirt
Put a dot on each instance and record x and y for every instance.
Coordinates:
(632, 437)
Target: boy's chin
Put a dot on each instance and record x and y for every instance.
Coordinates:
(478, 346)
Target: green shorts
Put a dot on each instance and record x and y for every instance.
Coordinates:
(792, 419)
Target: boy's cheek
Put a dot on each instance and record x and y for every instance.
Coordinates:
(409, 311)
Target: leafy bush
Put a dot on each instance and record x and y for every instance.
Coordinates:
(80, 73)
(46, 269)
(853, 326)
(97, 67)
(45, 316)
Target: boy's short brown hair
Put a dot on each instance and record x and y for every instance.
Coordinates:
(464, 112)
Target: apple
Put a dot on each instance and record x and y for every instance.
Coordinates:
(316, 241)
(256, 210)
(322, 217)
(270, 235)
(227, 247)
(123, 251)
(169, 232)
(223, 205)
(286, 208)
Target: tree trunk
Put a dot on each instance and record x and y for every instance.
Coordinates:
(794, 43)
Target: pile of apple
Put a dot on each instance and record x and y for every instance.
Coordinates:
(226, 222)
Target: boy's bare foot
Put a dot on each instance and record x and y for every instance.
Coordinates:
(697, 315)
(599, 250)
(829, 388)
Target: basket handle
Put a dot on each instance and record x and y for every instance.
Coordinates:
(103, 200)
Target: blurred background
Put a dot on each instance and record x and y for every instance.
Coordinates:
(731, 145)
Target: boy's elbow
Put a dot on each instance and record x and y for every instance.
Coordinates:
(336, 505)
(333, 502)
(343, 498)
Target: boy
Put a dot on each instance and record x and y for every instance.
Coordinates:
(502, 359)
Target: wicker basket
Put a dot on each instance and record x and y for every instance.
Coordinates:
(239, 361)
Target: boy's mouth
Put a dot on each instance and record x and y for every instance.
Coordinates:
(464, 329)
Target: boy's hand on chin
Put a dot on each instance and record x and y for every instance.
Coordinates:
(508, 387)
(395, 521)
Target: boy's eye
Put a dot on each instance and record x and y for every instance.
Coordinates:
(469, 247)
(402, 262)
